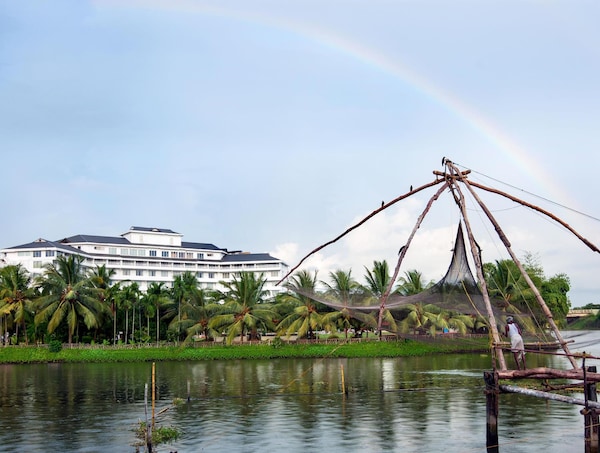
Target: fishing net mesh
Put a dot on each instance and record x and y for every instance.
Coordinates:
(457, 292)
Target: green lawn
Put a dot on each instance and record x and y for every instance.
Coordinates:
(401, 348)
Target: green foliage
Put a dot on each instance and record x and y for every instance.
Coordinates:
(160, 434)
(398, 348)
(55, 346)
(276, 343)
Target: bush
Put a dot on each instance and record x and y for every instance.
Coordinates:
(54, 346)
(277, 342)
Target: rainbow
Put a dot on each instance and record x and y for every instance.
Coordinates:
(369, 56)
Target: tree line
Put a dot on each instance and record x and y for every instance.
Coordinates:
(70, 303)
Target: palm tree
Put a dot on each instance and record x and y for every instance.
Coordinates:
(343, 289)
(157, 295)
(504, 281)
(16, 295)
(423, 317)
(128, 298)
(197, 314)
(412, 283)
(100, 278)
(184, 287)
(243, 309)
(113, 295)
(378, 280)
(305, 318)
(66, 293)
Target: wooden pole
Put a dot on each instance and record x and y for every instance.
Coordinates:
(153, 392)
(491, 395)
(548, 396)
(460, 201)
(590, 415)
(386, 294)
(525, 275)
(148, 428)
(343, 380)
(353, 227)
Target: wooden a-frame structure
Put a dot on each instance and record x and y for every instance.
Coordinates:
(456, 181)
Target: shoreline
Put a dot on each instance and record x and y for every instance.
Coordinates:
(254, 351)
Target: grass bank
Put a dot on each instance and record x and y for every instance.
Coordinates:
(32, 354)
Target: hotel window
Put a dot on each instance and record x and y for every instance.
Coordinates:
(125, 271)
(181, 254)
(152, 273)
(124, 251)
(275, 274)
(164, 254)
(112, 250)
(211, 275)
(37, 264)
(225, 274)
(152, 253)
(189, 255)
(49, 252)
(139, 272)
(199, 274)
(37, 254)
(23, 253)
(164, 273)
(133, 252)
(200, 256)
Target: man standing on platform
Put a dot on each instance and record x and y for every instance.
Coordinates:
(517, 347)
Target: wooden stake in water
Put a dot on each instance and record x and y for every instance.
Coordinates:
(188, 391)
(153, 392)
(343, 381)
(148, 427)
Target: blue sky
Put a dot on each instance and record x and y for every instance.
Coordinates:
(272, 126)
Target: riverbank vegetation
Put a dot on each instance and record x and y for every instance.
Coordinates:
(70, 303)
(253, 350)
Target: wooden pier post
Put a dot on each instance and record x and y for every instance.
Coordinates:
(590, 416)
(491, 398)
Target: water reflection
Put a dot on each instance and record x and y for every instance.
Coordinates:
(404, 404)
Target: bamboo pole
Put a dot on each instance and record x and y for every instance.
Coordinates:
(548, 396)
(153, 392)
(525, 275)
(148, 428)
(403, 250)
(460, 200)
(364, 220)
(537, 208)
(549, 373)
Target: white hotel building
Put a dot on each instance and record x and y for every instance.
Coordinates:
(146, 255)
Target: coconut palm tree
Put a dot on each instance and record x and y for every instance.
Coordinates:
(423, 317)
(100, 278)
(66, 294)
(197, 314)
(378, 280)
(16, 295)
(182, 293)
(343, 289)
(305, 318)
(157, 296)
(243, 308)
(412, 283)
(128, 298)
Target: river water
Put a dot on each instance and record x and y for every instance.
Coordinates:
(433, 403)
